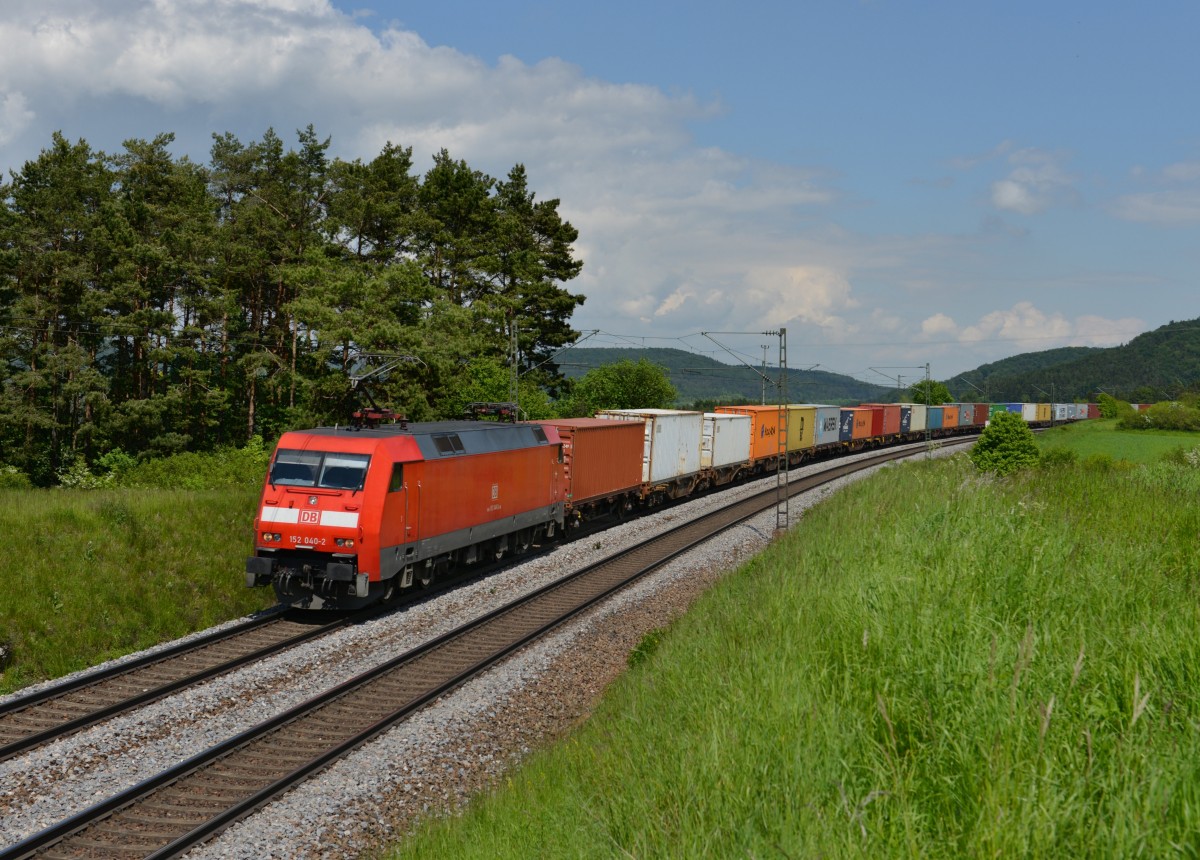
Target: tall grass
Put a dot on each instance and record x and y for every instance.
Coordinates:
(92, 575)
(932, 664)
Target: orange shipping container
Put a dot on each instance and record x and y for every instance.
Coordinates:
(860, 422)
(950, 415)
(764, 432)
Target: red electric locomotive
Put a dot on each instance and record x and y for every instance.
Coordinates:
(351, 516)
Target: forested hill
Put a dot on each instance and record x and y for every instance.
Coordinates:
(700, 378)
(1153, 366)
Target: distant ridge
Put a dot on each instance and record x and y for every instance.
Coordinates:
(700, 378)
(1153, 366)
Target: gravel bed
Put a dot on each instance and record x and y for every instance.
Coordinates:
(432, 762)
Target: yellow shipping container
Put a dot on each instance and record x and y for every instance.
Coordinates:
(802, 424)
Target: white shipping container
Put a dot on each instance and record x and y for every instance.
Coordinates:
(673, 440)
(726, 439)
(920, 415)
(1029, 412)
(1060, 411)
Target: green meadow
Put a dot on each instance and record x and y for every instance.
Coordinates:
(933, 663)
(1102, 438)
(95, 574)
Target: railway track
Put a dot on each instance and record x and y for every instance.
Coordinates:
(30, 721)
(187, 804)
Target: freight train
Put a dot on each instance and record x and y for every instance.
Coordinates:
(351, 516)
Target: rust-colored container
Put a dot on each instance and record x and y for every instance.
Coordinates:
(1093, 410)
(887, 420)
(764, 432)
(981, 413)
(600, 458)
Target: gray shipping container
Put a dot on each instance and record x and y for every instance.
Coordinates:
(673, 440)
(826, 431)
(726, 439)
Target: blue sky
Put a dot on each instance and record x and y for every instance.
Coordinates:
(895, 183)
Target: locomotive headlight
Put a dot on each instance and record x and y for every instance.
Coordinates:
(344, 542)
(277, 537)
(266, 536)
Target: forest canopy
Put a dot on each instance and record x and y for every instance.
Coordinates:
(155, 305)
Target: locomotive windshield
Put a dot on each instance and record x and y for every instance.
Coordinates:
(326, 469)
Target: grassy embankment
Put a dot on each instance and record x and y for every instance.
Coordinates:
(94, 574)
(933, 663)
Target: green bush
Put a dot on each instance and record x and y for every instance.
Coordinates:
(228, 467)
(1183, 456)
(78, 476)
(12, 478)
(1005, 446)
(1163, 416)
(1103, 462)
(1059, 458)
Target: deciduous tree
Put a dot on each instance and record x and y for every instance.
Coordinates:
(624, 385)
(1005, 445)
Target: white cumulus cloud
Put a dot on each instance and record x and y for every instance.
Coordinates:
(1036, 182)
(1032, 329)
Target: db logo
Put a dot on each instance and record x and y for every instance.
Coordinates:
(310, 517)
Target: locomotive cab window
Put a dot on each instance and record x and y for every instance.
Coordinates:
(344, 471)
(319, 469)
(295, 468)
(397, 482)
